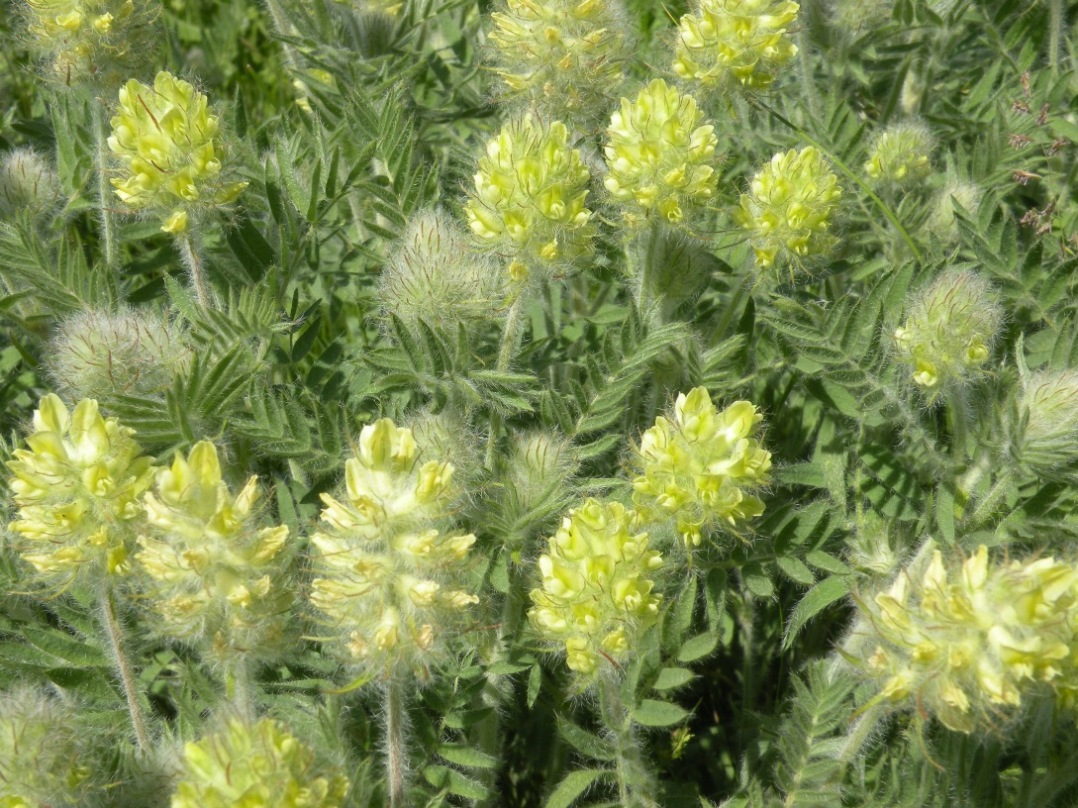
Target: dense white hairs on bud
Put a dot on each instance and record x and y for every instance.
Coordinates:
(436, 276)
(98, 353)
(27, 183)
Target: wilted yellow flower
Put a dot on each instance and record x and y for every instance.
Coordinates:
(564, 56)
(788, 208)
(530, 192)
(95, 43)
(702, 466)
(254, 766)
(214, 575)
(78, 488)
(902, 154)
(392, 576)
(950, 329)
(965, 642)
(742, 41)
(660, 154)
(596, 597)
(166, 139)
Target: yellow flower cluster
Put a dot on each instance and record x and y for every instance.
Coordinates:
(562, 55)
(902, 154)
(950, 329)
(214, 576)
(246, 766)
(92, 43)
(596, 596)
(530, 192)
(702, 466)
(78, 488)
(166, 139)
(391, 577)
(788, 208)
(660, 155)
(735, 40)
(965, 644)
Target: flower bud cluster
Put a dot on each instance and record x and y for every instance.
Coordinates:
(743, 41)
(950, 329)
(541, 464)
(27, 183)
(436, 277)
(564, 56)
(901, 155)
(965, 643)
(941, 221)
(1048, 421)
(392, 576)
(90, 43)
(98, 354)
(167, 141)
(42, 759)
(78, 489)
(596, 594)
(530, 192)
(660, 155)
(701, 467)
(214, 577)
(244, 765)
(788, 208)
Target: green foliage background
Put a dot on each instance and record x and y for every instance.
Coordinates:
(736, 695)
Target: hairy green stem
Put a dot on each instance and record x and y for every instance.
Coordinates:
(1055, 33)
(635, 789)
(123, 668)
(238, 684)
(396, 730)
(808, 83)
(510, 334)
(104, 194)
(185, 242)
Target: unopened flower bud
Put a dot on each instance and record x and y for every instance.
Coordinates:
(27, 183)
(260, 764)
(1048, 410)
(529, 195)
(941, 221)
(541, 465)
(702, 467)
(950, 329)
(735, 41)
(167, 140)
(660, 155)
(435, 276)
(42, 758)
(98, 354)
(787, 211)
(563, 56)
(901, 155)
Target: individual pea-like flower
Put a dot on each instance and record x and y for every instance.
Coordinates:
(27, 183)
(43, 761)
(214, 576)
(660, 155)
(255, 765)
(530, 192)
(563, 56)
(787, 211)
(1046, 438)
(596, 596)
(702, 466)
(965, 642)
(91, 43)
(950, 329)
(743, 41)
(901, 155)
(434, 276)
(392, 576)
(166, 139)
(99, 353)
(78, 490)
